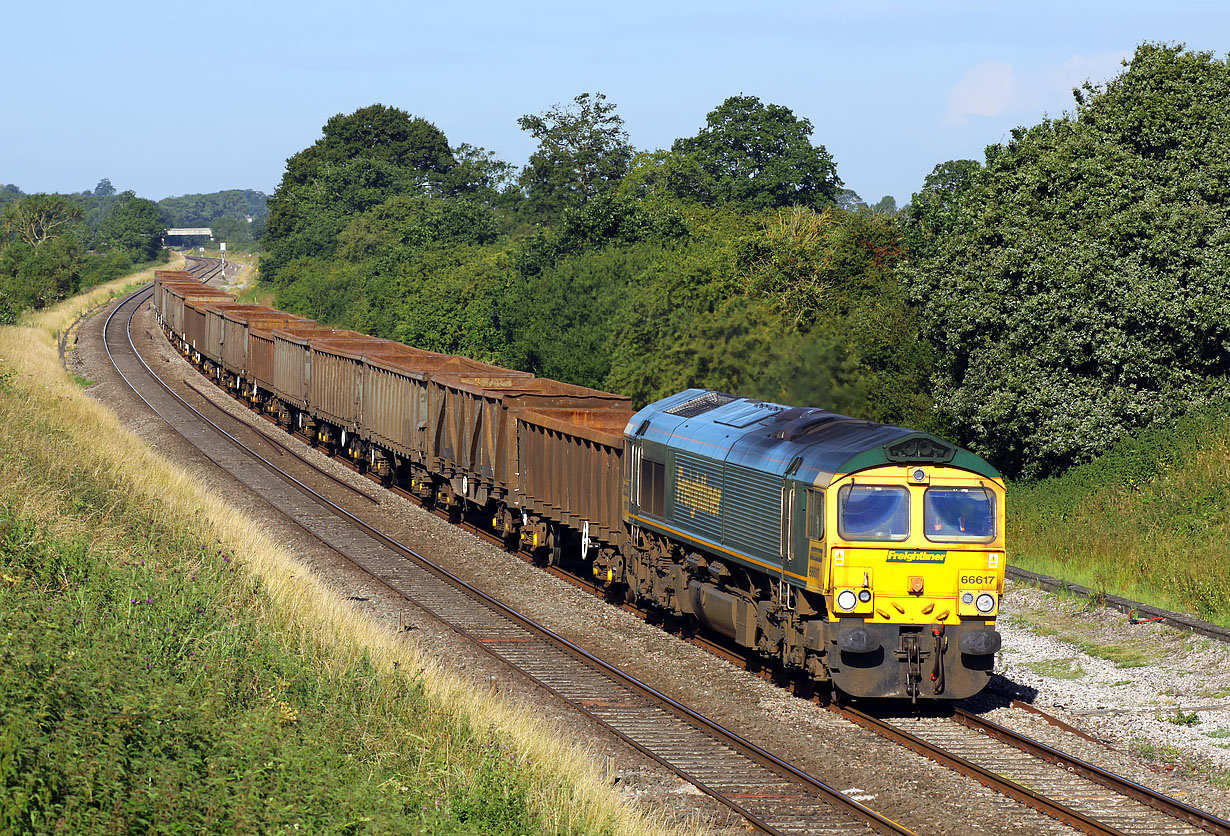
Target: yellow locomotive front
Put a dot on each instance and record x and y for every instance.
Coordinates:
(913, 563)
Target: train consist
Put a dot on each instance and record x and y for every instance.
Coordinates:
(858, 556)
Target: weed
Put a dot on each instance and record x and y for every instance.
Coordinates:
(1182, 718)
(1123, 656)
(1057, 668)
(1218, 733)
(83, 382)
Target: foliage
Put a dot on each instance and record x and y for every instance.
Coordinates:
(606, 220)
(33, 276)
(1145, 520)
(410, 222)
(755, 156)
(36, 218)
(196, 210)
(583, 151)
(362, 160)
(481, 176)
(1077, 286)
(9, 193)
(132, 224)
(794, 306)
(104, 188)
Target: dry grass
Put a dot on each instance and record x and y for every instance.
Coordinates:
(571, 794)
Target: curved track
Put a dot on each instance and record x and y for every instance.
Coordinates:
(771, 794)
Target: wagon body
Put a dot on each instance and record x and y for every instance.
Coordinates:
(292, 361)
(475, 432)
(175, 295)
(399, 413)
(569, 467)
(237, 343)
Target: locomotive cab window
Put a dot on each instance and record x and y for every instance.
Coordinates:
(815, 515)
(959, 515)
(653, 488)
(873, 512)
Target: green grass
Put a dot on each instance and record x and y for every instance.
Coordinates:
(1123, 656)
(146, 687)
(1218, 733)
(1057, 668)
(1182, 718)
(1147, 520)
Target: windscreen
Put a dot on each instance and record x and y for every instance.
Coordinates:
(874, 512)
(954, 515)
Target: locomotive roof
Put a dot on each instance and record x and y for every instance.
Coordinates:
(812, 444)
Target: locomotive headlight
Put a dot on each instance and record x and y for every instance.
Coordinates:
(846, 599)
(967, 598)
(985, 603)
(864, 595)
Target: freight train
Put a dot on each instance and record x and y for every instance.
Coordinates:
(863, 558)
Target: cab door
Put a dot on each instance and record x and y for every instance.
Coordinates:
(796, 529)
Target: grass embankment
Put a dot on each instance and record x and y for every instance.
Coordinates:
(165, 667)
(1149, 520)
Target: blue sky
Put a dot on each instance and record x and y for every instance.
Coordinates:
(168, 98)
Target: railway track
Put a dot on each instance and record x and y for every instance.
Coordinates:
(1076, 792)
(772, 795)
(769, 793)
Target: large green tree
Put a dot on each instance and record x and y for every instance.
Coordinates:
(363, 159)
(133, 224)
(583, 151)
(1077, 285)
(755, 156)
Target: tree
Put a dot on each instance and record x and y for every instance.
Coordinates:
(36, 218)
(1076, 287)
(849, 200)
(761, 157)
(133, 224)
(362, 160)
(933, 209)
(104, 188)
(583, 151)
(478, 175)
(886, 205)
(376, 132)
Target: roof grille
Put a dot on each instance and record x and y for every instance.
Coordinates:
(701, 404)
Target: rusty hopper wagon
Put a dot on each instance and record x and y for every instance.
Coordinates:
(239, 346)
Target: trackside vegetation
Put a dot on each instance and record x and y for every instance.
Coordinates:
(165, 668)
(1148, 520)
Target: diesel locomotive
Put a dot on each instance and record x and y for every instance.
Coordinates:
(860, 557)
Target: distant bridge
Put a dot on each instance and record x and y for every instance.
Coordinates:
(191, 230)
